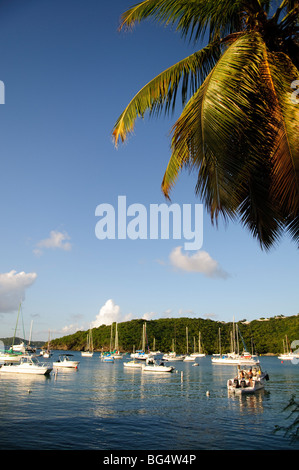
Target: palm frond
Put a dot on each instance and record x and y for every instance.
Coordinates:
(161, 92)
(213, 121)
(191, 18)
(278, 72)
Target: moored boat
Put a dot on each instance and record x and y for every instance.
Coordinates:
(66, 361)
(153, 366)
(248, 380)
(27, 365)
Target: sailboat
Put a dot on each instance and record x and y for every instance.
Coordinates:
(140, 353)
(287, 355)
(172, 355)
(116, 353)
(89, 346)
(234, 357)
(47, 353)
(199, 353)
(187, 357)
(108, 356)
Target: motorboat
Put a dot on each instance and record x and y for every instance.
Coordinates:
(151, 365)
(66, 361)
(27, 365)
(248, 379)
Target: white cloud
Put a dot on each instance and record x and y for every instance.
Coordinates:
(200, 262)
(12, 289)
(56, 240)
(109, 313)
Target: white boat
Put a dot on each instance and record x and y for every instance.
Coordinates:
(140, 354)
(199, 353)
(66, 362)
(10, 357)
(248, 380)
(288, 354)
(89, 346)
(27, 365)
(19, 347)
(235, 359)
(133, 364)
(172, 356)
(189, 358)
(153, 366)
(46, 352)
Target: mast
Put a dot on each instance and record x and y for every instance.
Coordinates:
(187, 337)
(13, 341)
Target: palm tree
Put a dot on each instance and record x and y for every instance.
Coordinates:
(239, 127)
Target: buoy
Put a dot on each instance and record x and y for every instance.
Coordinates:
(207, 393)
(182, 374)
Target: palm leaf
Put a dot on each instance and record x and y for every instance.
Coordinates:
(162, 90)
(278, 73)
(213, 121)
(191, 18)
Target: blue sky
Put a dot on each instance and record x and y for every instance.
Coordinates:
(68, 74)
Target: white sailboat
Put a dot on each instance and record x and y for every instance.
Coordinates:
(46, 352)
(140, 353)
(188, 358)
(287, 355)
(89, 346)
(234, 358)
(199, 353)
(116, 352)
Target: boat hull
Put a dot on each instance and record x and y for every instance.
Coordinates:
(22, 369)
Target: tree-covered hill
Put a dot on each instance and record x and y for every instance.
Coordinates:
(266, 335)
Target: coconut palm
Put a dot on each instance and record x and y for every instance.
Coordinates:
(239, 125)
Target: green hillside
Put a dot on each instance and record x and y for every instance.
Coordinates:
(267, 335)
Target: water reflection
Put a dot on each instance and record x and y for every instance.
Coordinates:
(252, 403)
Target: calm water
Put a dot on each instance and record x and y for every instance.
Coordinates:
(103, 406)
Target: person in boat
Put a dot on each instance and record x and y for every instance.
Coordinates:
(250, 377)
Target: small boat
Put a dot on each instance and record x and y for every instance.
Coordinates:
(27, 365)
(248, 380)
(66, 361)
(108, 358)
(153, 366)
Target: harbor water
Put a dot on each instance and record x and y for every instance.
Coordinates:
(104, 406)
